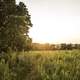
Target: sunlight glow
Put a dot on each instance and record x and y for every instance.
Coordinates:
(54, 21)
(58, 29)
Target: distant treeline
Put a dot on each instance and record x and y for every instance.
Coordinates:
(47, 46)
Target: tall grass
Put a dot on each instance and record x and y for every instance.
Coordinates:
(41, 65)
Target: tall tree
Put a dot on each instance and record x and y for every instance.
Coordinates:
(14, 28)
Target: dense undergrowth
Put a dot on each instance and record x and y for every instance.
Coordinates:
(40, 65)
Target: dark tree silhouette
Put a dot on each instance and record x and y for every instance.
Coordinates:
(15, 22)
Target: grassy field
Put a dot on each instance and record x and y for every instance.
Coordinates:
(42, 65)
(53, 65)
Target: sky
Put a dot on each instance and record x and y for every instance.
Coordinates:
(54, 21)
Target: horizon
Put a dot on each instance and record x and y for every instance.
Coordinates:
(54, 21)
(54, 43)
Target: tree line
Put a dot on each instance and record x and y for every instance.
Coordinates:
(47, 46)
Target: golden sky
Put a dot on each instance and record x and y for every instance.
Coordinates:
(54, 21)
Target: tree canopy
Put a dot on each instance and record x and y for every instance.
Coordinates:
(14, 27)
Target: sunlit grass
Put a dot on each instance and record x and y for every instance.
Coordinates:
(41, 65)
(56, 65)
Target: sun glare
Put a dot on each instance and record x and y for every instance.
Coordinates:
(54, 21)
(58, 29)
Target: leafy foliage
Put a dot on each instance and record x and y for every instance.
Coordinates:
(14, 28)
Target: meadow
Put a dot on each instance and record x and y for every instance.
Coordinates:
(41, 65)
